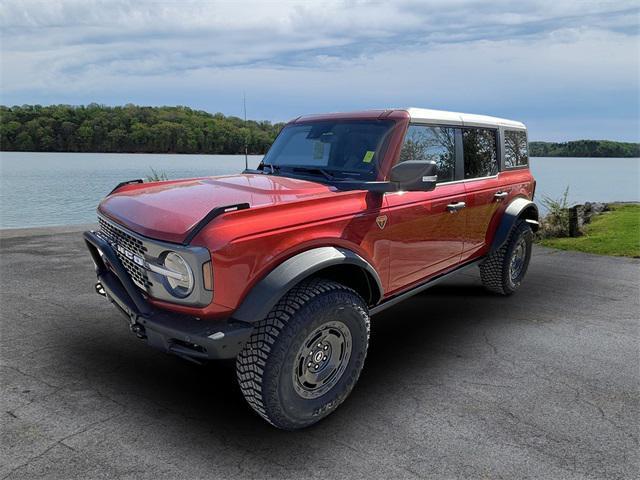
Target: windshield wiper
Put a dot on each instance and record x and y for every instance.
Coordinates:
(272, 168)
(312, 170)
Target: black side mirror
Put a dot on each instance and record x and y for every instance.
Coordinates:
(415, 175)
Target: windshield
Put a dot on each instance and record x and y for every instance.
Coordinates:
(343, 149)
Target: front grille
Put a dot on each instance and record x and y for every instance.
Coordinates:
(117, 237)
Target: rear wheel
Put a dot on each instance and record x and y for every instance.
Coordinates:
(503, 271)
(303, 360)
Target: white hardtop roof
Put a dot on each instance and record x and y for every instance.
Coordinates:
(457, 118)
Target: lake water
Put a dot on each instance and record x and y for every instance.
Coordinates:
(40, 189)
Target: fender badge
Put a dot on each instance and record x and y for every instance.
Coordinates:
(381, 221)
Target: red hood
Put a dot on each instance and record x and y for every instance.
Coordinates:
(168, 210)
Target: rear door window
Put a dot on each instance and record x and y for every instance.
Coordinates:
(516, 151)
(480, 152)
(437, 144)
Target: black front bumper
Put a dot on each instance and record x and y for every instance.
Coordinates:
(182, 335)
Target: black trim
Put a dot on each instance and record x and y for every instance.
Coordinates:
(122, 184)
(459, 168)
(372, 186)
(500, 146)
(514, 211)
(210, 216)
(270, 289)
(422, 287)
(182, 335)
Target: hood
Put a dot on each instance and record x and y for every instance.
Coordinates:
(168, 210)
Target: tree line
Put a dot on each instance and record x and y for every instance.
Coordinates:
(136, 129)
(584, 148)
(130, 129)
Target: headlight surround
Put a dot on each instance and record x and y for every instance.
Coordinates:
(179, 287)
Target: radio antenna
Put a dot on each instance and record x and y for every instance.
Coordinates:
(244, 106)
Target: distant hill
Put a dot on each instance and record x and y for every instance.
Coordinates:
(584, 148)
(129, 129)
(136, 129)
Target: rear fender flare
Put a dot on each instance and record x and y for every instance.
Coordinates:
(520, 208)
(267, 292)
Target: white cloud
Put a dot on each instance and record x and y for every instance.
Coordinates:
(527, 58)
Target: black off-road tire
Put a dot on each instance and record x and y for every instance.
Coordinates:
(268, 364)
(495, 271)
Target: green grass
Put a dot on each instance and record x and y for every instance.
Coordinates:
(157, 176)
(612, 233)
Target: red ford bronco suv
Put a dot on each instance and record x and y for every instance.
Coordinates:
(281, 267)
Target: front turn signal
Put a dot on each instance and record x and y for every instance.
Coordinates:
(207, 276)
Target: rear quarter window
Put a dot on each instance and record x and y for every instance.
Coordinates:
(516, 149)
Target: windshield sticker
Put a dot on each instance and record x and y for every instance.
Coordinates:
(368, 156)
(318, 150)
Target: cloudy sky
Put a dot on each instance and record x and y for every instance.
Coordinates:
(569, 69)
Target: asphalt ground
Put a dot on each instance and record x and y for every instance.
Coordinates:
(458, 383)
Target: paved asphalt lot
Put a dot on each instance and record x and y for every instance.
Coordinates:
(458, 384)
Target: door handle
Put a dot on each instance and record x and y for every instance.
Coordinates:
(501, 195)
(454, 207)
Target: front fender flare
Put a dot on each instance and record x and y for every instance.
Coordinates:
(267, 292)
(518, 208)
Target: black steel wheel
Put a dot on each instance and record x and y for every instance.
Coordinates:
(322, 359)
(303, 360)
(518, 259)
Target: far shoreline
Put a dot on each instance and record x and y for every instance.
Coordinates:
(249, 154)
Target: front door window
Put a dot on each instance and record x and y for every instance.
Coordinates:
(437, 144)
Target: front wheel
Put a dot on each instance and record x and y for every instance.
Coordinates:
(503, 270)
(303, 360)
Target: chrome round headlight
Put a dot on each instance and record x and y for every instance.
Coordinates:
(180, 284)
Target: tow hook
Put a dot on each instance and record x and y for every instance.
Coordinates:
(138, 330)
(100, 289)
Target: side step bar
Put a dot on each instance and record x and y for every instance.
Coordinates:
(421, 288)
